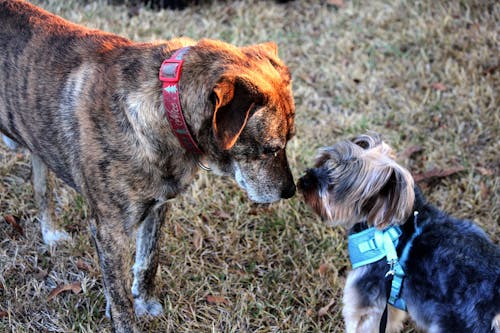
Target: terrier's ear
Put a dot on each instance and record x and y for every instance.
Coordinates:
(394, 201)
(234, 101)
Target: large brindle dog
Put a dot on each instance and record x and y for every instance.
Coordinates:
(89, 107)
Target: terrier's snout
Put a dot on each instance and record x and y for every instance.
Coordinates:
(307, 181)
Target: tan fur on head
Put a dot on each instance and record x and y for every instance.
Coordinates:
(359, 180)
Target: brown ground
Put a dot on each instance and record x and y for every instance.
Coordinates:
(423, 73)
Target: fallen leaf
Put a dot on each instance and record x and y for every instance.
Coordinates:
(485, 172)
(484, 190)
(75, 287)
(222, 215)
(336, 3)
(217, 300)
(490, 69)
(436, 173)
(3, 314)
(198, 240)
(178, 231)
(81, 265)
(237, 272)
(410, 151)
(258, 209)
(323, 269)
(438, 86)
(10, 219)
(204, 218)
(324, 310)
(309, 312)
(41, 274)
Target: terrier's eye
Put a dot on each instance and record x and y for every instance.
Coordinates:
(363, 144)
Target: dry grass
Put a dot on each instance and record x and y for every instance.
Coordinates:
(422, 73)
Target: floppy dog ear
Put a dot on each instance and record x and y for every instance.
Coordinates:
(269, 47)
(393, 202)
(234, 100)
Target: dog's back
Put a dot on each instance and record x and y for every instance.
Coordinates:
(45, 67)
(452, 273)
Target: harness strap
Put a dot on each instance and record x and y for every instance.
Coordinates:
(395, 276)
(394, 297)
(372, 245)
(385, 314)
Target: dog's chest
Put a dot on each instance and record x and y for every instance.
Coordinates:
(168, 179)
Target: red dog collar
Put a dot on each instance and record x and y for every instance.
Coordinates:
(170, 73)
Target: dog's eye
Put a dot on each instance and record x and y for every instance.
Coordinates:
(271, 150)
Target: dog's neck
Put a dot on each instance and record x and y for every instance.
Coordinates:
(420, 205)
(202, 68)
(368, 245)
(415, 223)
(143, 100)
(170, 72)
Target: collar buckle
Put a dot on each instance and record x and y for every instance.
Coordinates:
(170, 70)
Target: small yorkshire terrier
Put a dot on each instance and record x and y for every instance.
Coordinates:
(449, 270)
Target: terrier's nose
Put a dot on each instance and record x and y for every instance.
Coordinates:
(306, 181)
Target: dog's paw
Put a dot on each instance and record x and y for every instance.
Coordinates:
(150, 307)
(52, 237)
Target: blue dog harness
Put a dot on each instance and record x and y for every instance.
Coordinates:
(371, 245)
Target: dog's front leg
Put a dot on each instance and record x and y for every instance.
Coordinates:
(362, 308)
(146, 262)
(113, 250)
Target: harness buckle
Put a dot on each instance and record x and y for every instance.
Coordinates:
(391, 270)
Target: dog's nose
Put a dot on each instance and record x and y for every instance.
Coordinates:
(288, 192)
